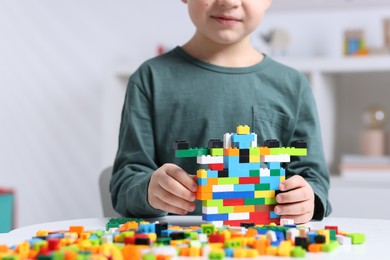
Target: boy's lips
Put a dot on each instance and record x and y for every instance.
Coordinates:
(225, 20)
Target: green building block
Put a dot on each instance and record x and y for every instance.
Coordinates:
(194, 236)
(116, 222)
(254, 151)
(212, 203)
(233, 243)
(298, 251)
(163, 241)
(274, 151)
(208, 229)
(270, 201)
(149, 257)
(58, 255)
(44, 257)
(217, 255)
(254, 173)
(262, 186)
(13, 257)
(228, 180)
(192, 152)
(332, 245)
(225, 209)
(332, 235)
(254, 201)
(216, 151)
(357, 238)
(275, 172)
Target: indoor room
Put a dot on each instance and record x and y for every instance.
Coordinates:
(65, 67)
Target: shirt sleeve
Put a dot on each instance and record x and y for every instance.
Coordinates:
(313, 167)
(135, 159)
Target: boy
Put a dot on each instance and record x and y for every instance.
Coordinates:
(200, 91)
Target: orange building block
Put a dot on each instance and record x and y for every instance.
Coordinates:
(314, 248)
(231, 152)
(76, 229)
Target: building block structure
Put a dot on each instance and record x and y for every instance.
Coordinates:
(241, 180)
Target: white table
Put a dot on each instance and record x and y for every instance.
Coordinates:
(376, 246)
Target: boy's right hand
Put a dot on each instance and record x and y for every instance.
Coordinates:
(173, 190)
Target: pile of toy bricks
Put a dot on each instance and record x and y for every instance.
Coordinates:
(235, 188)
(138, 239)
(7, 209)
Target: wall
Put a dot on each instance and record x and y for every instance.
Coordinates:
(55, 58)
(55, 62)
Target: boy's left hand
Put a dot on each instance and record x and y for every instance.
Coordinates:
(296, 200)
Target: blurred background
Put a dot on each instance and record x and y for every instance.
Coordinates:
(64, 66)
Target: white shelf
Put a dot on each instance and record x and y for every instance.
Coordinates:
(339, 65)
(320, 4)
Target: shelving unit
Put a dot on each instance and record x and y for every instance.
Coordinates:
(325, 76)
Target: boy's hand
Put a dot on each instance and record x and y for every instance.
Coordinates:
(297, 200)
(173, 190)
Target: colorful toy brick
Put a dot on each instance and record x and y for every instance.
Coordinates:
(138, 239)
(234, 188)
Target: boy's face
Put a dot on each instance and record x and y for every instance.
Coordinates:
(226, 21)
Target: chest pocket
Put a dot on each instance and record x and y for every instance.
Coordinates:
(271, 124)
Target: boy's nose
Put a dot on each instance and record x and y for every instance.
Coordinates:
(229, 3)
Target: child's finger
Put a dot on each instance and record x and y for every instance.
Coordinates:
(294, 182)
(297, 195)
(169, 207)
(160, 194)
(294, 208)
(172, 186)
(182, 177)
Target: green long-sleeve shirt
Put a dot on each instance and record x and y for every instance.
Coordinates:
(178, 97)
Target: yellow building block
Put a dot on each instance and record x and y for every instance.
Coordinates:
(271, 250)
(254, 158)
(201, 173)
(252, 253)
(216, 246)
(239, 253)
(243, 130)
(284, 248)
(194, 251)
(42, 233)
(265, 194)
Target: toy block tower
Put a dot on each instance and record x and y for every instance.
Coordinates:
(235, 188)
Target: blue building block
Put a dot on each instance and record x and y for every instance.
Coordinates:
(212, 174)
(233, 195)
(273, 165)
(272, 214)
(244, 187)
(311, 236)
(215, 217)
(242, 141)
(229, 252)
(202, 181)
